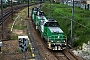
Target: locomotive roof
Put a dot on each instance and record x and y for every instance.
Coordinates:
(55, 29)
(48, 20)
(36, 8)
(51, 20)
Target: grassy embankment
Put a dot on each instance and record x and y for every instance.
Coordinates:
(63, 13)
(19, 24)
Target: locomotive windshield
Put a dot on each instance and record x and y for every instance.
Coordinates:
(41, 13)
(36, 9)
(52, 24)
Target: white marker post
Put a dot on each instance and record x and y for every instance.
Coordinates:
(0, 46)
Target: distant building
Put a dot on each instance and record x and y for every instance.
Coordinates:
(76, 3)
(88, 1)
(14, 0)
(4, 1)
(57, 1)
(85, 4)
(61, 1)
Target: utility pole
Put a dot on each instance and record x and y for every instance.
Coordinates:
(72, 23)
(28, 8)
(12, 9)
(2, 34)
(2, 20)
(50, 9)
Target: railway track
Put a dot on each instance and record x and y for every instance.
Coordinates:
(60, 56)
(10, 10)
(5, 16)
(65, 55)
(69, 56)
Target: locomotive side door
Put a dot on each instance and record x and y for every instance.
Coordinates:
(42, 25)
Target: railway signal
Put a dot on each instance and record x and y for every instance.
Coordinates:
(23, 43)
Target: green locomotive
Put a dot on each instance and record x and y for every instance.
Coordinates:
(50, 30)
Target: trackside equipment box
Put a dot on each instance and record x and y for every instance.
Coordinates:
(23, 43)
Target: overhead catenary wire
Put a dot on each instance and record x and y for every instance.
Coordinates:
(80, 24)
(73, 21)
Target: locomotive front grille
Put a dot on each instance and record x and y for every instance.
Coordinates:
(58, 46)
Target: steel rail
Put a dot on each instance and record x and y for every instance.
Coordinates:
(73, 55)
(68, 51)
(66, 56)
(5, 16)
(8, 13)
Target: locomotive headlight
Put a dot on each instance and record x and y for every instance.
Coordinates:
(64, 41)
(58, 36)
(58, 41)
(52, 41)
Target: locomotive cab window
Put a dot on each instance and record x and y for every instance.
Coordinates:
(35, 13)
(52, 24)
(41, 13)
(36, 9)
